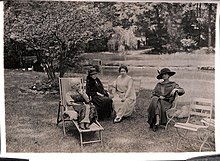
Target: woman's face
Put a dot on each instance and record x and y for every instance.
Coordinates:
(76, 86)
(165, 76)
(94, 76)
(123, 72)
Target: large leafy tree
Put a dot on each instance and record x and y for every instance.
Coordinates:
(58, 29)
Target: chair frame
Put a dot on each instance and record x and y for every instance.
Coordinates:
(95, 127)
(137, 86)
(173, 108)
(202, 110)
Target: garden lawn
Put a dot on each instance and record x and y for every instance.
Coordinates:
(31, 116)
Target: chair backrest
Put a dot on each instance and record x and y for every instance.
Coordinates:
(201, 108)
(65, 86)
(175, 101)
(137, 84)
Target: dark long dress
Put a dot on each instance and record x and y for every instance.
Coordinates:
(103, 104)
(160, 106)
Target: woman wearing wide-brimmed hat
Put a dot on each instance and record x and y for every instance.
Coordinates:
(162, 97)
(100, 97)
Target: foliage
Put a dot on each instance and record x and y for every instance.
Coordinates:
(59, 29)
(188, 44)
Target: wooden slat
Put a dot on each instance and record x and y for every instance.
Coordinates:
(183, 126)
(210, 122)
(89, 142)
(201, 107)
(200, 114)
(189, 126)
(204, 100)
(92, 127)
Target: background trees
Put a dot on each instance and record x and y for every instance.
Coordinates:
(58, 31)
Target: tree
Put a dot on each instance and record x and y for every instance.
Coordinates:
(58, 29)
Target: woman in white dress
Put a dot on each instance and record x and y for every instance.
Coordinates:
(124, 95)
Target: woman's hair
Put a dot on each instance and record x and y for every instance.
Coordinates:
(123, 67)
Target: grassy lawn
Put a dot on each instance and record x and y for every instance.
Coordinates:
(31, 117)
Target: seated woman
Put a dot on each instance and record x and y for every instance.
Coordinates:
(124, 95)
(79, 101)
(100, 97)
(163, 96)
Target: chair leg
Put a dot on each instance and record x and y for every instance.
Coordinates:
(58, 115)
(205, 141)
(81, 140)
(63, 120)
(170, 119)
(100, 134)
(181, 137)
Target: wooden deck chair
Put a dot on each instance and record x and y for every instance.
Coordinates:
(137, 87)
(200, 108)
(171, 113)
(64, 85)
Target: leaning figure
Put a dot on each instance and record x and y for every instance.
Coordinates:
(79, 101)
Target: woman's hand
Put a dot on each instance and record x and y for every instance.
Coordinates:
(81, 91)
(99, 94)
(123, 99)
(173, 91)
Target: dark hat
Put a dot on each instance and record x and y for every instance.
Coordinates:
(165, 71)
(92, 71)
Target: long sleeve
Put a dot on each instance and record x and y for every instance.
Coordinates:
(90, 87)
(156, 91)
(181, 91)
(94, 86)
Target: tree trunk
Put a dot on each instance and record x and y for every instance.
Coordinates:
(209, 28)
(50, 73)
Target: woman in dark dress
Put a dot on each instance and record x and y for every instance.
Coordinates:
(99, 96)
(163, 96)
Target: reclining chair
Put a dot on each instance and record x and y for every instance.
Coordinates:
(64, 86)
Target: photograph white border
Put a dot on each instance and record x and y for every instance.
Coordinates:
(111, 156)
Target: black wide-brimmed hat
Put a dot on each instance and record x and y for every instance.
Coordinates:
(165, 71)
(92, 71)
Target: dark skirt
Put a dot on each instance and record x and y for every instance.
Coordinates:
(158, 107)
(103, 106)
(81, 110)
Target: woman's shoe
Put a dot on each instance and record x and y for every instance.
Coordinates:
(81, 126)
(117, 120)
(155, 127)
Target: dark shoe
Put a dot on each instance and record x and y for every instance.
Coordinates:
(155, 127)
(151, 125)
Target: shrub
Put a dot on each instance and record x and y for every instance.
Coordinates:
(188, 44)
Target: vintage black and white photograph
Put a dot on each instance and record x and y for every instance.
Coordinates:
(109, 77)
